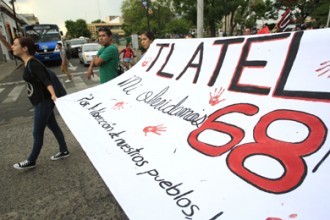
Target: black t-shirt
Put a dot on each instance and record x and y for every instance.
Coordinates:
(37, 81)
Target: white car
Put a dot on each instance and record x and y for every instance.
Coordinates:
(87, 52)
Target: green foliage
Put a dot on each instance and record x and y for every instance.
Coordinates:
(136, 16)
(301, 9)
(98, 21)
(180, 16)
(178, 26)
(213, 13)
(77, 29)
(320, 13)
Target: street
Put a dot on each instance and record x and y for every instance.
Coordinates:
(13, 98)
(66, 189)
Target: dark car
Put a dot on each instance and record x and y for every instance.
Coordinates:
(75, 45)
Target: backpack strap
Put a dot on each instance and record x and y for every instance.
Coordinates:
(29, 68)
(29, 65)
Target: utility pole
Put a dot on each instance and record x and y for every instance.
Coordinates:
(98, 5)
(146, 7)
(328, 18)
(158, 17)
(200, 18)
(148, 15)
(225, 7)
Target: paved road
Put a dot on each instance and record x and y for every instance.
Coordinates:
(14, 101)
(13, 98)
(65, 189)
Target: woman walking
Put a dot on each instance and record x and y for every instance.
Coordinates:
(42, 96)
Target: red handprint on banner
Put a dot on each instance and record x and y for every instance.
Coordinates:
(215, 98)
(118, 106)
(146, 61)
(325, 67)
(154, 129)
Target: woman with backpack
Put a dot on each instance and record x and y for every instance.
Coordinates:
(42, 96)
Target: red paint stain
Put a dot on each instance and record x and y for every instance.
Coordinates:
(293, 216)
(154, 129)
(273, 218)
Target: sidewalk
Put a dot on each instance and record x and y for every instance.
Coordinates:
(8, 68)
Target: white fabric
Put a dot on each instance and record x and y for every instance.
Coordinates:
(254, 146)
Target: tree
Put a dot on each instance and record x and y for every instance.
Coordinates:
(239, 14)
(245, 13)
(301, 9)
(213, 13)
(97, 21)
(77, 29)
(178, 26)
(136, 15)
(320, 12)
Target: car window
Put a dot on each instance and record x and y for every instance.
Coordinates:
(88, 48)
(78, 41)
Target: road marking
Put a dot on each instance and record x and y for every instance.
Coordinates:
(59, 76)
(79, 83)
(14, 94)
(96, 78)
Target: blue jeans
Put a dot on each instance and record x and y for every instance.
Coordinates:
(44, 116)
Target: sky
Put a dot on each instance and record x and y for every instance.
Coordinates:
(58, 11)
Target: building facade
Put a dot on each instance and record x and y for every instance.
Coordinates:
(114, 23)
(10, 27)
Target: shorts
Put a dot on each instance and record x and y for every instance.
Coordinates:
(127, 60)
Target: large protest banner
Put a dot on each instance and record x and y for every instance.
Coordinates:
(214, 128)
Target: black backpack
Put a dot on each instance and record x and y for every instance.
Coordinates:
(56, 83)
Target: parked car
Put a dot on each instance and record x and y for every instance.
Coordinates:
(87, 52)
(75, 44)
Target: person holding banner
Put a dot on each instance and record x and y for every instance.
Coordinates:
(147, 38)
(107, 57)
(42, 96)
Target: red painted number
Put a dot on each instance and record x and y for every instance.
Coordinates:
(289, 155)
(236, 134)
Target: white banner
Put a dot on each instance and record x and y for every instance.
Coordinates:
(214, 128)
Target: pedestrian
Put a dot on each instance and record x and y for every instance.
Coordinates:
(107, 57)
(128, 55)
(42, 96)
(308, 26)
(147, 38)
(247, 31)
(264, 30)
(64, 62)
